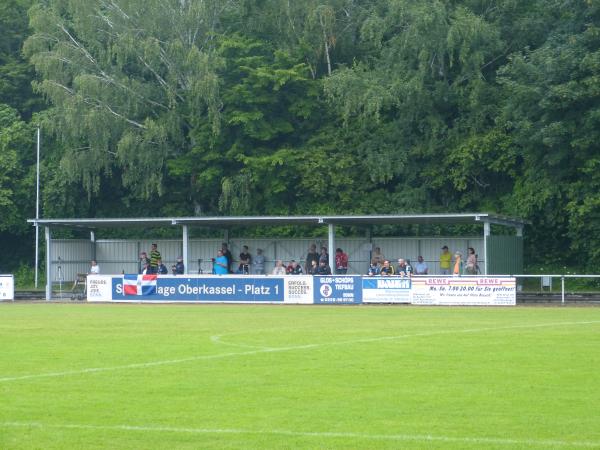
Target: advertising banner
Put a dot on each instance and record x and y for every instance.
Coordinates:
(7, 287)
(299, 289)
(476, 291)
(99, 288)
(386, 290)
(337, 289)
(331, 289)
(207, 288)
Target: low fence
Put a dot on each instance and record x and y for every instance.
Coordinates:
(562, 283)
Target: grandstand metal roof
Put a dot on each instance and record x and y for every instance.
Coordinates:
(231, 221)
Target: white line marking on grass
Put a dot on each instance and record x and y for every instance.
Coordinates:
(280, 349)
(317, 434)
(217, 340)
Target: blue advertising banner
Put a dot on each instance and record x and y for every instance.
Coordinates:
(208, 288)
(338, 289)
(298, 289)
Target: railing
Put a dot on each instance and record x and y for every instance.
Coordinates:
(546, 281)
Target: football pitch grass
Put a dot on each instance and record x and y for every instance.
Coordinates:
(249, 376)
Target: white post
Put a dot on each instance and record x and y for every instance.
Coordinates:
(93, 244)
(486, 233)
(185, 249)
(562, 282)
(48, 265)
(331, 244)
(37, 209)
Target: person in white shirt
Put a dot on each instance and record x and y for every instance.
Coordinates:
(278, 269)
(421, 267)
(94, 267)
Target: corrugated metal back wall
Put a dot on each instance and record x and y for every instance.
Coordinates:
(118, 256)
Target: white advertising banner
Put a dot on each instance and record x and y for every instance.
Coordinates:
(7, 287)
(299, 289)
(99, 288)
(474, 291)
(386, 289)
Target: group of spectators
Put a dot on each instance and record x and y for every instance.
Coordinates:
(148, 266)
(316, 263)
(381, 266)
(455, 266)
(449, 265)
(154, 264)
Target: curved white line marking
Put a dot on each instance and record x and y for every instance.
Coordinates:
(365, 436)
(282, 349)
(217, 340)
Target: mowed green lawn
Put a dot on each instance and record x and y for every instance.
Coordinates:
(243, 376)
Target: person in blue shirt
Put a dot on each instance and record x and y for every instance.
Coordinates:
(220, 264)
(374, 268)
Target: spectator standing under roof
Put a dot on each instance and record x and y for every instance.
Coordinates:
(402, 268)
(295, 268)
(289, 267)
(386, 269)
(445, 261)
(377, 256)
(154, 257)
(373, 269)
(220, 264)
(311, 256)
(421, 266)
(147, 269)
(94, 267)
(341, 262)
(279, 269)
(458, 264)
(471, 266)
(258, 264)
(245, 260)
(227, 254)
(161, 269)
(144, 261)
(323, 268)
(409, 268)
(324, 256)
(314, 268)
(179, 267)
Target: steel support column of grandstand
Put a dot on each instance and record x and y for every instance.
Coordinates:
(48, 264)
(487, 229)
(185, 244)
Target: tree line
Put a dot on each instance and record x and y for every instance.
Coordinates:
(243, 107)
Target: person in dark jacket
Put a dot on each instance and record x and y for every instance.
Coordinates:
(324, 268)
(179, 267)
(227, 254)
(161, 269)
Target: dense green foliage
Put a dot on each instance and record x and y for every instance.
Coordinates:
(180, 107)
